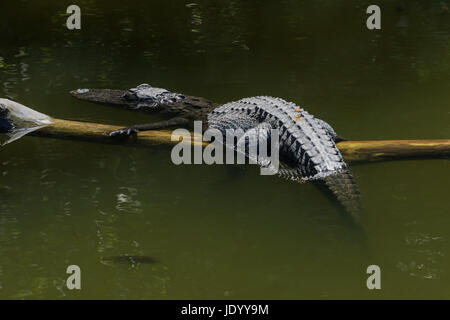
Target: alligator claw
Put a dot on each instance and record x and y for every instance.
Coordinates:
(125, 132)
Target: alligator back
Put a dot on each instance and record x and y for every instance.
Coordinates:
(306, 143)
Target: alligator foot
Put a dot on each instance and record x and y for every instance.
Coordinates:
(124, 133)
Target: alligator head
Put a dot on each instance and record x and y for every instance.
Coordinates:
(143, 97)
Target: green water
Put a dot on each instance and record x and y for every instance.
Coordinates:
(218, 232)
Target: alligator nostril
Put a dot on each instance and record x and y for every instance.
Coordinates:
(81, 91)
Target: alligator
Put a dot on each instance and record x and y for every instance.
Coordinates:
(307, 145)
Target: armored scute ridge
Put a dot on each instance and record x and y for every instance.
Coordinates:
(306, 143)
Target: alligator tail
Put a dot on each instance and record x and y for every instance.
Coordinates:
(345, 189)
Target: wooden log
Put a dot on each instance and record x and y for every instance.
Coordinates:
(376, 150)
(96, 132)
(20, 117)
(351, 150)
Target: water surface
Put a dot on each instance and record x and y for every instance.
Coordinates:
(215, 231)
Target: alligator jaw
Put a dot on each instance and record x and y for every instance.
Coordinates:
(103, 96)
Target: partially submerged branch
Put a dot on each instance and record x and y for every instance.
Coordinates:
(351, 150)
(96, 132)
(374, 150)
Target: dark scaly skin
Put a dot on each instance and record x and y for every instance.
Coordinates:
(345, 189)
(307, 144)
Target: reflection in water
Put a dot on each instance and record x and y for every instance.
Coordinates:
(428, 256)
(125, 202)
(132, 260)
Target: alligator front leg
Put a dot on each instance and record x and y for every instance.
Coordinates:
(126, 132)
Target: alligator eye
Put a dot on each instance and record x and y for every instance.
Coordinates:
(130, 97)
